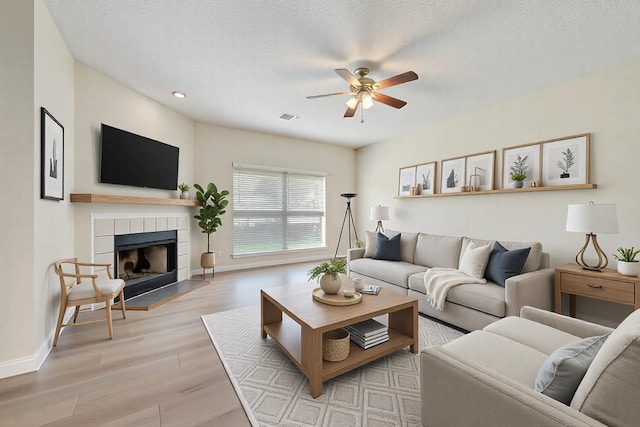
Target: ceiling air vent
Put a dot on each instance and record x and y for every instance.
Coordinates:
(287, 116)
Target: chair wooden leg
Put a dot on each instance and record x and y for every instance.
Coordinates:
(109, 325)
(124, 310)
(63, 308)
(75, 314)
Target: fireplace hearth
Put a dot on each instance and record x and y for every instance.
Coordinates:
(145, 261)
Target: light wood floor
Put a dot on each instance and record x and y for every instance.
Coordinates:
(160, 369)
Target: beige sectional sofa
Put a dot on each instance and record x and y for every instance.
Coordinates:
(468, 306)
(488, 377)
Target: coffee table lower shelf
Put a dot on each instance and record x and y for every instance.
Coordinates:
(286, 334)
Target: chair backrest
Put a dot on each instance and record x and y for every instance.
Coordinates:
(67, 282)
(609, 390)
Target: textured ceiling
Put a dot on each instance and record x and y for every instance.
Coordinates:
(243, 63)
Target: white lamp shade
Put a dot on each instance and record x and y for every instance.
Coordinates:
(592, 218)
(379, 213)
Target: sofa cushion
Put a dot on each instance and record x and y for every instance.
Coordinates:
(488, 298)
(371, 241)
(387, 248)
(437, 251)
(407, 244)
(474, 261)
(395, 272)
(504, 263)
(499, 354)
(533, 334)
(533, 260)
(562, 371)
(609, 390)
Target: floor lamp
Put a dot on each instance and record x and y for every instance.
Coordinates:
(379, 213)
(348, 218)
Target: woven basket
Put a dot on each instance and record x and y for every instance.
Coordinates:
(335, 345)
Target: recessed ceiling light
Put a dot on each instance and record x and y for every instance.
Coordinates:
(178, 94)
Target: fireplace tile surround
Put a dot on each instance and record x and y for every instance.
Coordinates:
(105, 228)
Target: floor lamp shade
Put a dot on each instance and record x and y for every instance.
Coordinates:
(379, 214)
(590, 219)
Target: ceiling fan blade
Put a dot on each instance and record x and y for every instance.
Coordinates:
(396, 80)
(328, 94)
(351, 111)
(389, 100)
(348, 76)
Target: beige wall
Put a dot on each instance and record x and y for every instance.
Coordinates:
(217, 148)
(605, 105)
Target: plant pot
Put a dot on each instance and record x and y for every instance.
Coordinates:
(330, 284)
(629, 268)
(516, 184)
(184, 195)
(207, 260)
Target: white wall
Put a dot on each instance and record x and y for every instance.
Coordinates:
(217, 148)
(605, 105)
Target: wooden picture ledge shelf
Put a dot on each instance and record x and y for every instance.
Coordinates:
(129, 200)
(506, 190)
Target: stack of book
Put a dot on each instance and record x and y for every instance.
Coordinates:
(368, 333)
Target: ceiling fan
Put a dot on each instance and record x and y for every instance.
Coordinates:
(364, 90)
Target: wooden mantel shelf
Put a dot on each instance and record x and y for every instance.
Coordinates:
(129, 200)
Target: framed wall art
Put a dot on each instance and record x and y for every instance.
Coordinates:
(565, 161)
(51, 157)
(480, 171)
(406, 180)
(426, 178)
(452, 177)
(521, 165)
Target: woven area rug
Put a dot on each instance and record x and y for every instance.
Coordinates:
(275, 393)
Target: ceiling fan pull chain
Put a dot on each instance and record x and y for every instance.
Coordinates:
(362, 115)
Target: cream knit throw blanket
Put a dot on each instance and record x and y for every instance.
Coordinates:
(438, 281)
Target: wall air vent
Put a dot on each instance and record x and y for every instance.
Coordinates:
(287, 116)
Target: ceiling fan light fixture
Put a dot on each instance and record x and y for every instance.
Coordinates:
(352, 102)
(367, 102)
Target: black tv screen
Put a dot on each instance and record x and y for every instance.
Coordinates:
(130, 159)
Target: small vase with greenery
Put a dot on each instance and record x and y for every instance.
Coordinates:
(519, 171)
(184, 190)
(213, 207)
(627, 263)
(327, 274)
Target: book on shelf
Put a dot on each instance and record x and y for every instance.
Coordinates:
(367, 328)
(369, 337)
(365, 344)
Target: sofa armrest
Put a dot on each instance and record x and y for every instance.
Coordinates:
(567, 324)
(458, 393)
(534, 289)
(353, 253)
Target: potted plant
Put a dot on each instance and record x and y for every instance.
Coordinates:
(519, 171)
(213, 206)
(327, 274)
(184, 190)
(627, 263)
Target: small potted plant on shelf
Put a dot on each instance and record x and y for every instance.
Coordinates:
(627, 263)
(184, 190)
(327, 274)
(519, 171)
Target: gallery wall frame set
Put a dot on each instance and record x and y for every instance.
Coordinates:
(474, 172)
(51, 157)
(417, 179)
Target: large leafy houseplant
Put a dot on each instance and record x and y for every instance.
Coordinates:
(213, 207)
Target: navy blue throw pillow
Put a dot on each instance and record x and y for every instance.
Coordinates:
(388, 249)
(504, 264)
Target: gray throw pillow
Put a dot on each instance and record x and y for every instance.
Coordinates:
(561, 373)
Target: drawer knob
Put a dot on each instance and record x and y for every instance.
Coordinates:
(591, 285)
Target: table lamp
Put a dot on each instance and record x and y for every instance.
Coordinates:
(379, 213)
(590, 219)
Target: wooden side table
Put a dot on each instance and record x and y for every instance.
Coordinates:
(606, 285)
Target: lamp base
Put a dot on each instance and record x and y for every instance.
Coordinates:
(379, 227)
(602, 258)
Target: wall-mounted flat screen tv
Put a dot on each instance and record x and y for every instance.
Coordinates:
(130, 159)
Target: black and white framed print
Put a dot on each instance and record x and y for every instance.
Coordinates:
(480, 171)
(52, 157)
(406, 180)
(521, 163)
(452, 175)
(426, 178)
(565, 161)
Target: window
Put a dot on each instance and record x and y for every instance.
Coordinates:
(277, 210)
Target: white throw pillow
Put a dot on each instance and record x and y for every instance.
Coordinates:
(474, 260)
(370, 244)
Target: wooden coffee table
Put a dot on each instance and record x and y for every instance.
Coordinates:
(299, 333)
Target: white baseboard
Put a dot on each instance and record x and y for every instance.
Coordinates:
(24, 365)
(198, 272)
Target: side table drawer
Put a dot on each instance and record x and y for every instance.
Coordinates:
(605, 289)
